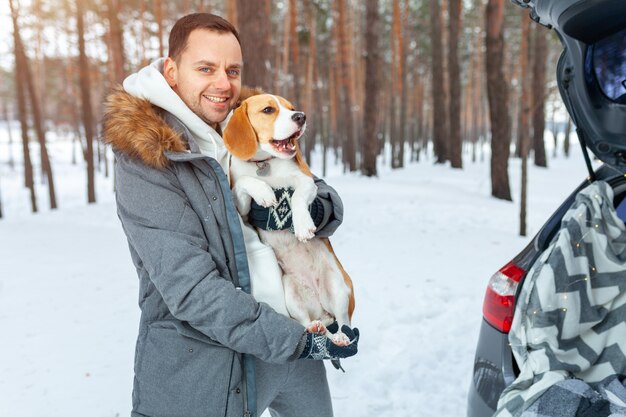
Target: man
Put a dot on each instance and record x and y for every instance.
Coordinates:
(201, 332)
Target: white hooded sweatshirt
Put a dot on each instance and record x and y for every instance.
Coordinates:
(265, 274)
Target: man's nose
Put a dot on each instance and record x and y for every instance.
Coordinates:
(221, 81)
(299, 118)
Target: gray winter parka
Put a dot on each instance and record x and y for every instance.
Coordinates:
(186, 243)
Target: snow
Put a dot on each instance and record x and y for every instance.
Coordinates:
(420, 244)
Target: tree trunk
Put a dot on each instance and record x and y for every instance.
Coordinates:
(143, 31)
(158, 17)
(566, 143)
(23, 68)
(497, 92)
(116, 47)
(396, 84)
(284, 67)
(85, 89)
(333, 106)
(524, 125)
(231, 13)
(468, 110)
(346, 96)
(295, 52)
(21, 108)
(372, 63)
(312, 100)
(7, 117)
(440, 114)
(255, 41)
(46, 167)
(454, 80)
(539, 92)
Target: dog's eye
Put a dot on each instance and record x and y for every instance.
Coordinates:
(268, 110)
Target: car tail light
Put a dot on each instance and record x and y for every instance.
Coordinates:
(500, 297)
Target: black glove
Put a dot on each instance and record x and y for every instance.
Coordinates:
(318, 346)
(280, 217)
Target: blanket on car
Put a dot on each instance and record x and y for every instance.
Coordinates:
(570, 317)
(576, 398)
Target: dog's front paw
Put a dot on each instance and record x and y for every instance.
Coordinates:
(263, 195)
(304, 228)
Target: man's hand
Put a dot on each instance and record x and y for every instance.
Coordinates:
(319, 347)
(280, 217)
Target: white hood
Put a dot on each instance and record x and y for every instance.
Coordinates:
(150, 84)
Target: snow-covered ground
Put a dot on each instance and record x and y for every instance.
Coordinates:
(420, 244)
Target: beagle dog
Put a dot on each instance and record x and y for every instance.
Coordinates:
(262, 136)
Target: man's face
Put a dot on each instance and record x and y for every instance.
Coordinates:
(208, 75)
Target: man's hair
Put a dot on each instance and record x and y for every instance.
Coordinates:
(187, 24)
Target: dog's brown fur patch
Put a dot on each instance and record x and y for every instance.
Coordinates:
(346, 277)
(263, 124)
(239, 136)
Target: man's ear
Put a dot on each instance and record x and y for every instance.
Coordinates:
(170, 71)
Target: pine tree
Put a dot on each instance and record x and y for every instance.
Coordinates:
(372, 59)
(497, 92)
(85, 89)
(440, 114)
(454, 81)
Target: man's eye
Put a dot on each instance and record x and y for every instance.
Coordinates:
(233, 73)
(206, 70)
(268, 110)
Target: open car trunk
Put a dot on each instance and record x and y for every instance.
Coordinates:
(570, 305)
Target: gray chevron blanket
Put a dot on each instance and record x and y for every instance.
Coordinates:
(570, 318)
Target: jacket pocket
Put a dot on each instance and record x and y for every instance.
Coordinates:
(177, 376)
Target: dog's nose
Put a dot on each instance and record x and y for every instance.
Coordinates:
(299, 118)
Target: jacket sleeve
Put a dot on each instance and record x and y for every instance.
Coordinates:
(333, 208)
(168, 239)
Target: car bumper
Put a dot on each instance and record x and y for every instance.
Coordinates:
(493, 371)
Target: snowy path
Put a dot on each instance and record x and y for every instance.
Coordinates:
(419, 243)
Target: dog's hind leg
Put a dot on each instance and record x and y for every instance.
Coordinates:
(298, 299)
(335, 298)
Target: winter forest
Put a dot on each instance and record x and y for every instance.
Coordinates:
(438, 122)
(385, 82)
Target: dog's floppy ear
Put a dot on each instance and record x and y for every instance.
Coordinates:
(239, 136)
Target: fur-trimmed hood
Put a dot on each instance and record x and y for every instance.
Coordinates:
(135, 127)
(149, 84)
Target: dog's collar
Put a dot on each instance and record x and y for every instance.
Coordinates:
(262, 166)
(260, 160)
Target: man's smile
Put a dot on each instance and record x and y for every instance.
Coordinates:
(215, 99)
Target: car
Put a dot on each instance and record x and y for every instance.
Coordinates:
(595, 97)
(494, 365)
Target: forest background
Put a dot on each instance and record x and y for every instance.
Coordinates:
(384, 82)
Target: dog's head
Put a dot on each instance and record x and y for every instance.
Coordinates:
(264, 122)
